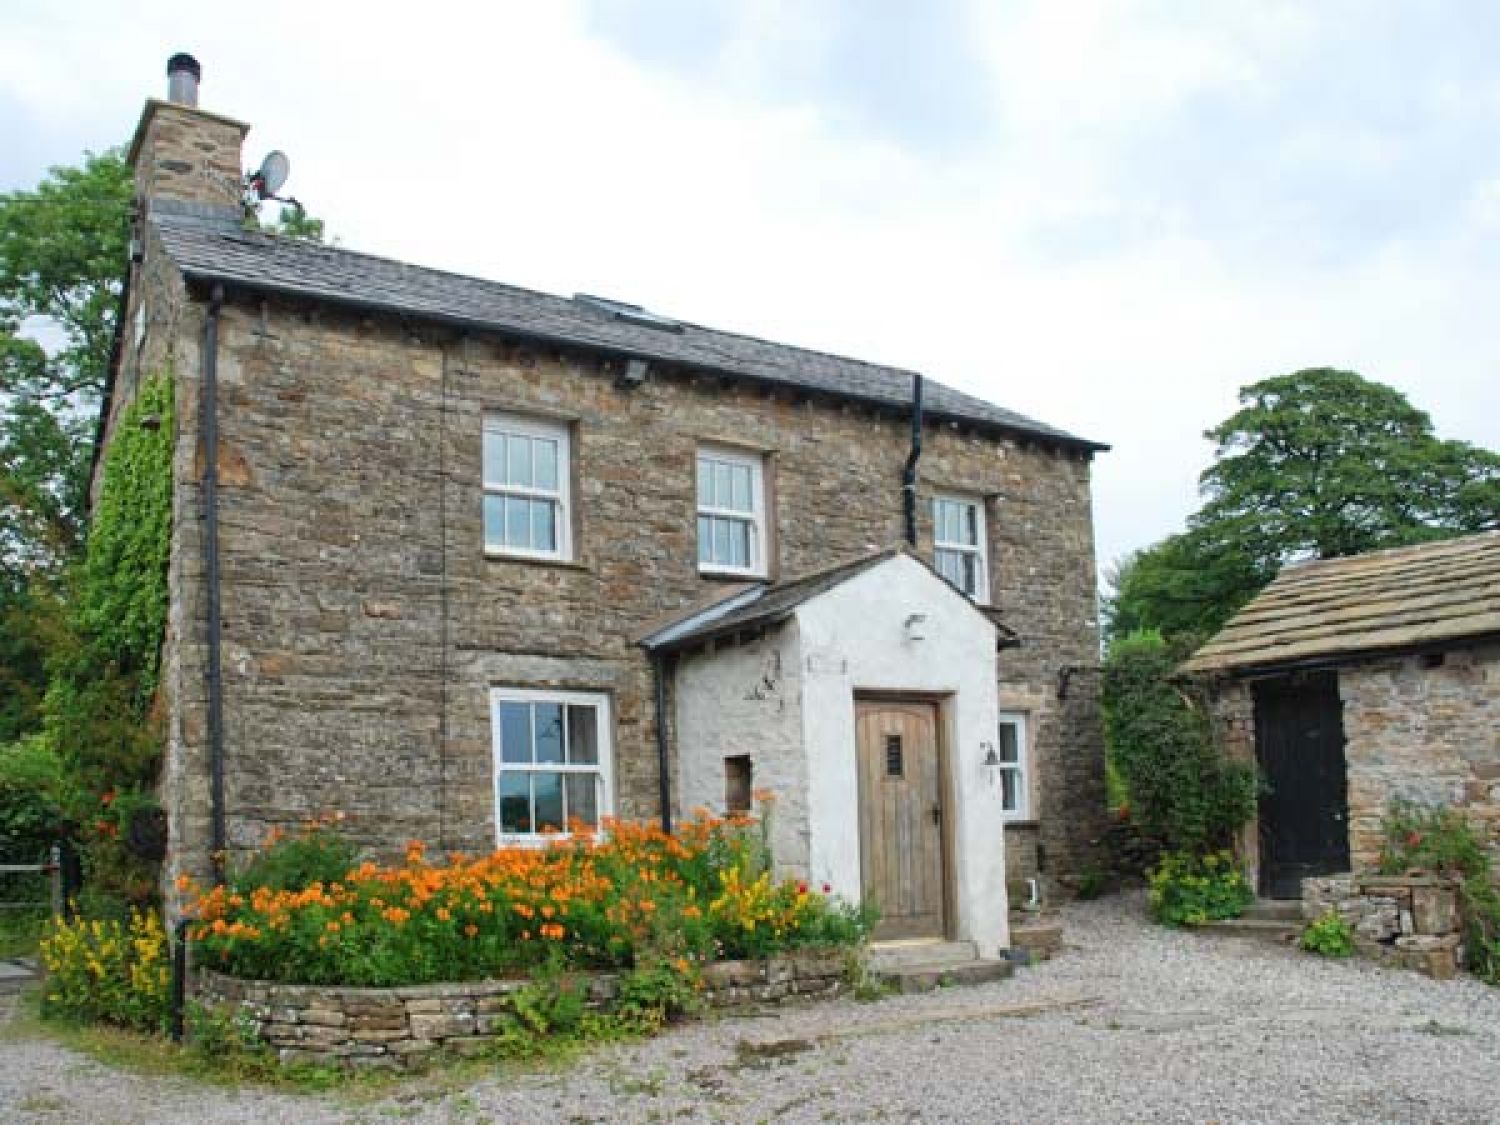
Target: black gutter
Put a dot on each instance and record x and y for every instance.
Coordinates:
(909, 473)
(664, 776)
(554, 339)
(208, 422)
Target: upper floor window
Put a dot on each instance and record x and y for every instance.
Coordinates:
(552, 762)
(526, 488)
(1014, 801)
(731, 512)
(958, 542)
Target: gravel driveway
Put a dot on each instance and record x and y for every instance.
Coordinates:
(1132, 1023)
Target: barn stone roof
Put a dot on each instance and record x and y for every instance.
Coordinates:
(1386, 601)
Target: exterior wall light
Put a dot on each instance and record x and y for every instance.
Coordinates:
(915, 627)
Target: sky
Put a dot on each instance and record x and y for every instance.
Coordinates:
(1108, 215)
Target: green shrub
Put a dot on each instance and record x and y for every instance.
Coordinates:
(1181, 788)
(1191, 890)
(315, 854)
(108, 971)
(31, 821)
(1330, 936)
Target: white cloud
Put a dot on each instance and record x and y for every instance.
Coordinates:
(1133, 234)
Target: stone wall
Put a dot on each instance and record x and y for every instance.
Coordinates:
(1426, 729)
(364, 624)
(394, 1027)
(1410, 921)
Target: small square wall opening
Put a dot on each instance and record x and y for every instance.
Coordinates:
(738, 783)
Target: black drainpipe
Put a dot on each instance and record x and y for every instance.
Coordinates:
(208, 423)
(664, 777)
(909, 474)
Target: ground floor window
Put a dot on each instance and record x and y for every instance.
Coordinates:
(1013, 765)
(552, 762)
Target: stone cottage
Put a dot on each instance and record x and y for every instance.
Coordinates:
(1356, 681)
(447, 557)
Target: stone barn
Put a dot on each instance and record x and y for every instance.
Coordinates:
(1353, 682)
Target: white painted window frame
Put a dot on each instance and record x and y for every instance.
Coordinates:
(603, 769)
(1021, 768)
(560, 432)
(979, 549)
(756, 463)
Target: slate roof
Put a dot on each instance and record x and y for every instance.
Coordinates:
(771, 603)
(1385, 601)
(209, 252)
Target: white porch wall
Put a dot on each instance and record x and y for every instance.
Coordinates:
(745, 699)
(853, 639)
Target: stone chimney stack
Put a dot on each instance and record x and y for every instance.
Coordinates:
(187, 160)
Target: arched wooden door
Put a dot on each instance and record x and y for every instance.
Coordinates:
(901, 816)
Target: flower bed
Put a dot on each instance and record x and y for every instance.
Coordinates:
(635, 897)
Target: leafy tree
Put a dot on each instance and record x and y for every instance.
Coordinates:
(1316, 464)
(63, 257)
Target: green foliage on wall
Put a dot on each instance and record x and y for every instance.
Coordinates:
(103, 676)
(1182, 790)
(123, 598)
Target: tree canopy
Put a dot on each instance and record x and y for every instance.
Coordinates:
(1316, 464)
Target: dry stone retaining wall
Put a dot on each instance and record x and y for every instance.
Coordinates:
(391, 1027)
(1410, 921)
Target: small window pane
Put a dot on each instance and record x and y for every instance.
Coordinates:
(1010, 749)
(583, 797)
(739, 544)
(518, 462)
(515, 732)
(494, 458)
(583, 736)
(705, 540)
(705, 483)
(950, 565)
(515, 802)
(723, 489)
(740, 500)
(517, 522)
(494, 521)
(1010, 790)
(549, 732)
(547, 788)
(969, 514)
(545, 463)
(968, 574)
(723, 532)
(543, 526)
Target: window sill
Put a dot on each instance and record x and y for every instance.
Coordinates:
(535, 560)
(732, 576)
(1022, 822)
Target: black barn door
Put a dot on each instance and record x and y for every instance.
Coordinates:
(1299, 741)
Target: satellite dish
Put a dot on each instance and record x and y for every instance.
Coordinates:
(273, 173)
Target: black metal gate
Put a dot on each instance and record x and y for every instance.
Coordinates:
(1299, 742)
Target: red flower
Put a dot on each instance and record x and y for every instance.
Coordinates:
(801, 888)
(827, 888)
(107, 797)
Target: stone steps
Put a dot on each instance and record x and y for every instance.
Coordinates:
(1273, 931)
(1287, 910)
(921, 966)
